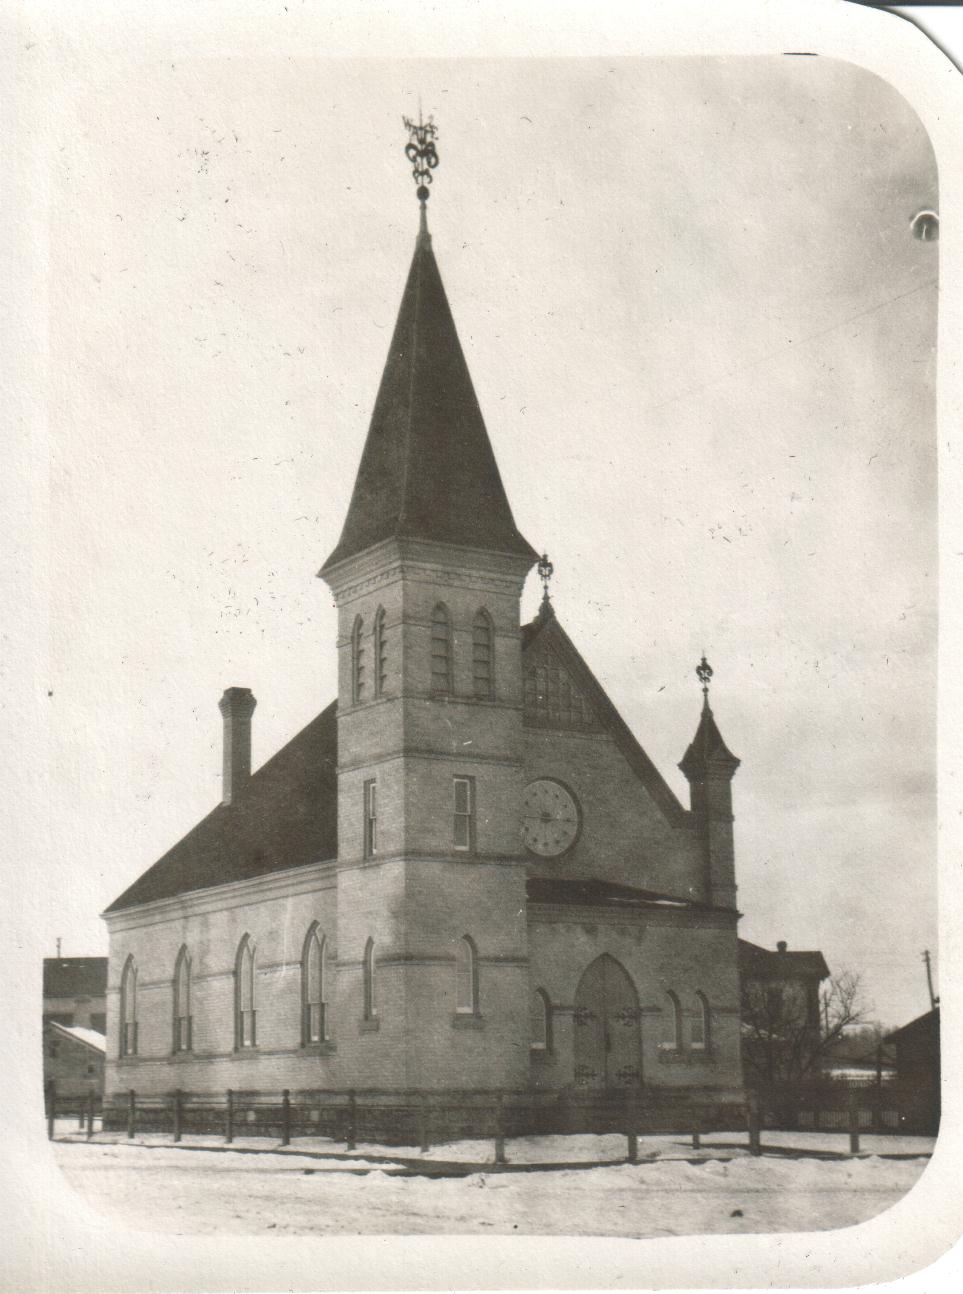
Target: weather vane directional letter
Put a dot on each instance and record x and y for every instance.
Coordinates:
(704, 674)
(421, 152)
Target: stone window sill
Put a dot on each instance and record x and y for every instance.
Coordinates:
(370, 1026)
(466, 1020)
(326, 1048)
(671, 1056)
(178, 1057)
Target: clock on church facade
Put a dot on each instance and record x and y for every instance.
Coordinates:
(551, 819)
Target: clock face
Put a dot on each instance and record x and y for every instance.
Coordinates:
(550, 818)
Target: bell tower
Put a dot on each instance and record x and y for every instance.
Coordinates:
(427, 575)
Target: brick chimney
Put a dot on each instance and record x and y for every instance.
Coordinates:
(236, 705)
(781, 946)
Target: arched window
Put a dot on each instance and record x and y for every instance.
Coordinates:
(674, 1040)
(128, 1008)
(370, 997)
(483, 656)
(466, 977)
(541, 1026)
(182, 1001)
(245, 1015)
(699, 1033)
(380, 653)
(441, 676)
(357, 661)
(313, 1022)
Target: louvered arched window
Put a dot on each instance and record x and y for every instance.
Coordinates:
(673, 1040)
(541, 1021)
(483, 656)
(699, 1024)
(370, 994)
(182, 1001)
(128, 1008)
(466, 976)
(380, 654)
(357, 660)
(441, 671)
(245, 1014)
(313, 1013)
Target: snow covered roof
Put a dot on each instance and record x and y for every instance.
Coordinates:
(89, 1037)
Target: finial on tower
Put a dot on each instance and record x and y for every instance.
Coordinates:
(704, 675)
(422, 154)
(545, 572)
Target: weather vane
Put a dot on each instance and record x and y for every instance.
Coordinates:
(421, 152)
(545, 572)
(704, 674)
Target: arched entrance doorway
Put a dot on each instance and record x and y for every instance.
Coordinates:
(608, 1037)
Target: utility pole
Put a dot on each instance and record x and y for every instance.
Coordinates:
(934, 1000)
(58, 950)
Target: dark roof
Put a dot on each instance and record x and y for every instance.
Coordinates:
(427, 470)
(285, 817)
(924, 1026)
(545, 626)
(550, 889)
(74, 976)
(707, 747)
(772, 964)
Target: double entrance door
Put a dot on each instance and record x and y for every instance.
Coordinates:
(608, 1035)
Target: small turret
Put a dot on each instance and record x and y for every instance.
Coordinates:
(709, 767)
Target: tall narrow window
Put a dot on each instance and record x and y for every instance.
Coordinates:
(441, 676)
(380, 654)
(182, 1001)
(370, 819)
(482, 656)
(466, 977)
(464, 813)
(370, 998)
(128, 1008)
(674, 1040)
(699, 1024)
(313, 1023)
(541, 1021)
(357, 661)
(245, 1015)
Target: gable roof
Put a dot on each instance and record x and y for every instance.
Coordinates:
(287, 816)
(923, 1027)
(427, 470)
(770, 964)
(74, 976)
(546, 629)
(79, 1033)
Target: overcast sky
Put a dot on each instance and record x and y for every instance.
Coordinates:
(701, 333)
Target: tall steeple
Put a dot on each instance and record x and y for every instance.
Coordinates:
(427, 470)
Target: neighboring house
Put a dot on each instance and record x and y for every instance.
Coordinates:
(465, 872)
(780, 1011)
(73, 1059)
(916, 1051)
(75, 991)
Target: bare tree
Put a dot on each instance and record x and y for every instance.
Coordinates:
(790, 1026)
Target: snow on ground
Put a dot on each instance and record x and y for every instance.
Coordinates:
(158, 1187)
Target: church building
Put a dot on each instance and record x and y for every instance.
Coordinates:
(465, 872)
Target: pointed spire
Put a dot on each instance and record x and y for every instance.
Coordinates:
(707, 747)
(427, 470)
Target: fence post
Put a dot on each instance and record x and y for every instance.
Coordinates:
(285, 1118)
(229, 1118)
(51, 1108)
(177, 1114)
(423, 1124)
(755, 1147)
(90, 1115)
(80, 1116)
(500, 1157)
(632, 1134)
(350, 1132)
(131, 1112)
(697, 1122)
(854, 1124)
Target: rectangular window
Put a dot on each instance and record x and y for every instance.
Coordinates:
(464, 812)
(370, 819)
